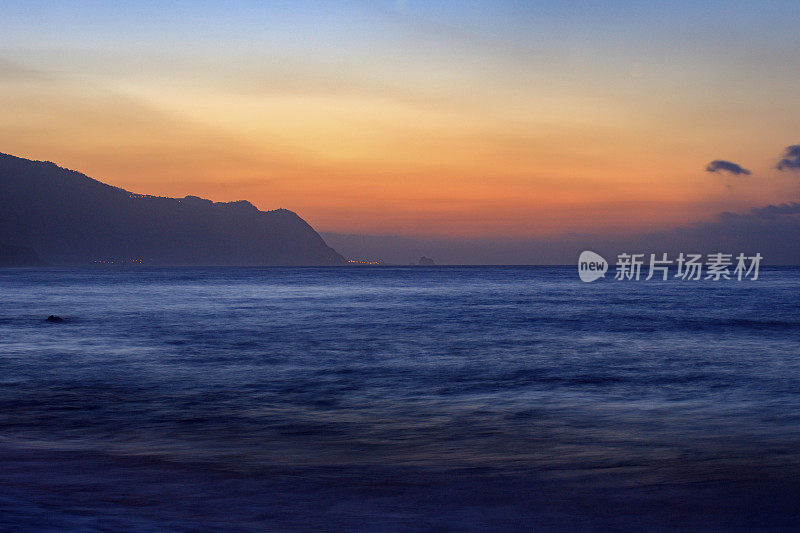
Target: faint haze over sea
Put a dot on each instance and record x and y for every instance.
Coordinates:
(772, 231)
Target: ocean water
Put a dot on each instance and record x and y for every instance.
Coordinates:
(397, 399)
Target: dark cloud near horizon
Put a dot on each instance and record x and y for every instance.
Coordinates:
(791, 158)
(770, 230)
(770, 211)
(726, 166)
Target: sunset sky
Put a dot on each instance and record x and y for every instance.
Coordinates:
(411, 118)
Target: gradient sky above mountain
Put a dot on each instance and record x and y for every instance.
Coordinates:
(415, 118)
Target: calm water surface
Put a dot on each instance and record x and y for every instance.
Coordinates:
(397, 399)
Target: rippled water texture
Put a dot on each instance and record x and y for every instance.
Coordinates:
(397, 399)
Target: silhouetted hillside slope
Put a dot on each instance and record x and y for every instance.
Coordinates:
(69, 218)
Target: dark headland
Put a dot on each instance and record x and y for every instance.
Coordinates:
(66, 218)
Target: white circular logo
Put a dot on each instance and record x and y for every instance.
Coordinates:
(591, 266)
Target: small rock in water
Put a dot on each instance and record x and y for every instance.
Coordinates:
(54, 318)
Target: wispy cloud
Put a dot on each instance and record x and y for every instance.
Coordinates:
(720, 166)
(791, 158)
(11, 71)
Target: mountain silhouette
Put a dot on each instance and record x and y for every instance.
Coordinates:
(71, 219)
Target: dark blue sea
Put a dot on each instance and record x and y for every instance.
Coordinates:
(397, 399)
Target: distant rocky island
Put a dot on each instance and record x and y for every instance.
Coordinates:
(19, 256)
(62, 217)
